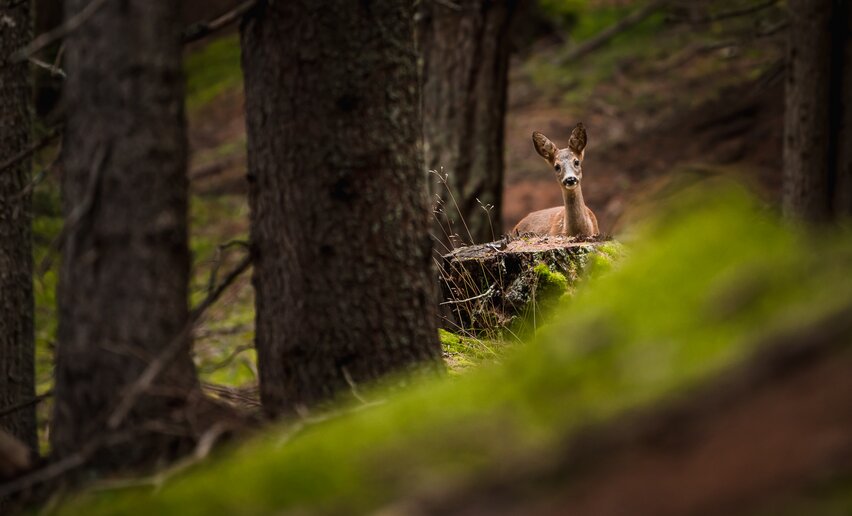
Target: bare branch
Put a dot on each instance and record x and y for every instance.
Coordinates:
(32, 149)
(203, 29)
(50, 37)
(155, 368)
(26, 403)
(735, 13)
(52, 68)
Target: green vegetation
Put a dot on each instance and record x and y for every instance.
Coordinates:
(212, 70)
(715, 275)
(461, 352)
(638, 69)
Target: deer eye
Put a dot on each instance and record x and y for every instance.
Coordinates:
(576, 163)
(557, 167)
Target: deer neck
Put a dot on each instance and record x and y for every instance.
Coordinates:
(577, 222)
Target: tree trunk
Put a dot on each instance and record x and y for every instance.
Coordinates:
(125, 266)
(17, 369)
(807, 169)
(843, 141)
(465, 74)
(343, 274)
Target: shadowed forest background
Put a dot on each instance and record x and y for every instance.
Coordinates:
(258, 257)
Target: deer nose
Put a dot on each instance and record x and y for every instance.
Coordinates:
(570, 181)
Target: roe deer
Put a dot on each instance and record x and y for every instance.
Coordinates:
(574, 218)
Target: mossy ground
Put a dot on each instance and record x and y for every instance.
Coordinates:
(712, 277)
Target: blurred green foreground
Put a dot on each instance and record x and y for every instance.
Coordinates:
(712, 276)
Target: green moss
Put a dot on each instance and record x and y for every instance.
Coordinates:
(550, 281)
(212, 70)
(462, 352)
(715, 276)
(229, 325)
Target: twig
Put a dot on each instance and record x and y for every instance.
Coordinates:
(603, 37)
(352, 386)
(448, 4)
(53, 69)
(36, 180)
(32, 149)
(202, 451)
(46, 39)
(26, 403)
(203, 29)
(474, 298)
(228, 359)
(63, 466)
(217, 262)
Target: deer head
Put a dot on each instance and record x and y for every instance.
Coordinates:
(567, 162)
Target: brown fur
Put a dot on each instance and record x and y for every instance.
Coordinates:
(573, 218)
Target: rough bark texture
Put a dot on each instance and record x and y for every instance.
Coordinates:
(807, 167)
(123, 281)
(465, 54)
(339, 220)
(17, 368)
(843, 87)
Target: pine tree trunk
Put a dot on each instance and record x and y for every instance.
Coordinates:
(343, 273)
(843, 167)
(125, 263)
(17, 370)
(465, 75)
(807, 162)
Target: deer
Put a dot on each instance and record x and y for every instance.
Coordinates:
(574, 218)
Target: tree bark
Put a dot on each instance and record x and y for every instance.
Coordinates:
(843, 141)
(465, 54)
(17, 369)
(343, 274)
(806, 192)
(125, 266)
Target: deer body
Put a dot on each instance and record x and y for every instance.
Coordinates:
(574, 218)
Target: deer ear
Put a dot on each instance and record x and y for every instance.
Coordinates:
(545, 148)
(577, 142)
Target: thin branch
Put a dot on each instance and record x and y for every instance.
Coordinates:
(474, 298)
(52, 69)
(603, 37)
(203, 29)
(26, 403)
(448, 4)
(735, 13)
(202, 450)
(32, 149)
(52, 36)
(156, 367)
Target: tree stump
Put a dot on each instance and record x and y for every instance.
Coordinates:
(507, 284)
